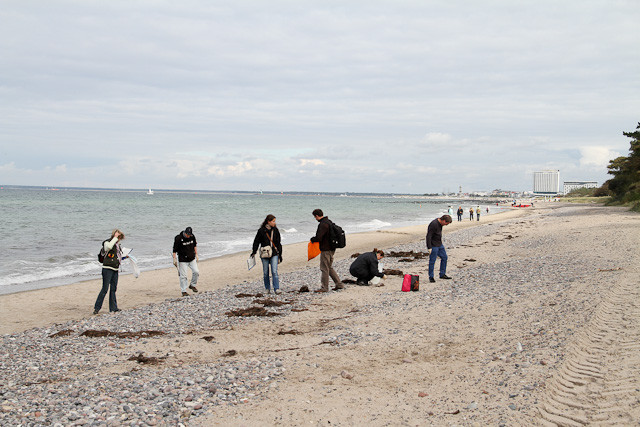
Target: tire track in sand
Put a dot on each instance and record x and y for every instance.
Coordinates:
(599, 381)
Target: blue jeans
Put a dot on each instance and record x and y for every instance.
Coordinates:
(109, 283)
(273, 261)
(438, 251)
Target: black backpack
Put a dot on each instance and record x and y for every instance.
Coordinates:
(101, 254)
(337, 238)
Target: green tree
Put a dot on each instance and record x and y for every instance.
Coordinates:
(625, 184)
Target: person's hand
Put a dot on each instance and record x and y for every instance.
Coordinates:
(279, 258)
(384, 276)
(197, 258)
(253, 255)
(175, 262)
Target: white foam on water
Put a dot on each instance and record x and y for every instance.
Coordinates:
(374, 224)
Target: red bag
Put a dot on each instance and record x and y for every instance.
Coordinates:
(411, 282)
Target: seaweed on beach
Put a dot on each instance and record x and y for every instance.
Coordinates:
(63, 333)
(91, 333)
(243, 295)
(209, 338)
(391, 272)
(349, 281)
(251, 311)
(229, 353)
(291, 332)
(141, 358)
(299, 310)
(305, 288)
(408, 254)
(271, 303)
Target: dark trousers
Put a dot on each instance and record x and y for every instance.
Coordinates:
(109, 283)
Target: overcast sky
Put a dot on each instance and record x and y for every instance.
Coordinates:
(362, 96)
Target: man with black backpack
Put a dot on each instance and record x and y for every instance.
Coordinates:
(327, 250)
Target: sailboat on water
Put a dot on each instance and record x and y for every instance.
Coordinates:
(150, 192)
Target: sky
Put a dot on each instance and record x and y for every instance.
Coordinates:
(395, 96)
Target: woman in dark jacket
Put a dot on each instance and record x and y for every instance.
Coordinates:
(268, 236)
(365, 267)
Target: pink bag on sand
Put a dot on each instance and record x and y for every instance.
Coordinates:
(411, 282)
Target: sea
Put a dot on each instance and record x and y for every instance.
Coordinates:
(51, 236)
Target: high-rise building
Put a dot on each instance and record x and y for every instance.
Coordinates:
(546, 183)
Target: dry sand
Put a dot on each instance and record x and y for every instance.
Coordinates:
(540, 325)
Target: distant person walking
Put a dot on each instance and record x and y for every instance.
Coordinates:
(478, 213)
(471, 213)
(323, 236)
(110, 267)
(185, 247)
(365, 268)
(450, 211)
(268, 239)
(434, 242)
(460, 212)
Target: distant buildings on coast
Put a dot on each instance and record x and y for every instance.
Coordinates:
(547, 183)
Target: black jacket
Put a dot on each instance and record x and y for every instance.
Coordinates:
(262, 239)
(323, 234)
(185, 247)
(434, 234)
(365, 266)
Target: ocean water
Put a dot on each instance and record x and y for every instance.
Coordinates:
(51, 238)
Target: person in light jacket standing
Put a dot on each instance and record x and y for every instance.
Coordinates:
(185, 247)
(268, 236)
(110, 266)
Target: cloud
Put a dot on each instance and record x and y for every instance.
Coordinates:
(314, 162)
(596, 157)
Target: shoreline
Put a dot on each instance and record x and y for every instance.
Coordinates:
(75, 301)
(528, 319)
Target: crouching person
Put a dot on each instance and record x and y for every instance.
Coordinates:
(365, 268)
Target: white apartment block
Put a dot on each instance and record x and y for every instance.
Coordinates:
(569, 186)
(546, 183)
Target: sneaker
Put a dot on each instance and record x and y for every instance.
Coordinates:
(193, 288)
(184, 294)
(361, 283)
(321, 290)
(432, 280)
(116, 310)
(338, 287)
(96, 311)
(277, 291)
(269, 291)
(445, 277)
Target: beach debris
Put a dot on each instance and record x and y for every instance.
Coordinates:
(243, 295)
(271, 303)
(304, 288)
(469, 259)
(472, 406)
(391, 272)
(142, 359)
(423, 394)
(63, 333)
(209, 338)
(229, 353)
(610, 269)
(251, 311)
(91, 333)
(346, 375)
(456, 412)
(298, 310)
(408, 254)
(290, 332)
(519, 347)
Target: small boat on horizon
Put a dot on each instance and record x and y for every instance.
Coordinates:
(150, 192)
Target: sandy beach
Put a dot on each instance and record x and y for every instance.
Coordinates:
(539, 326)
